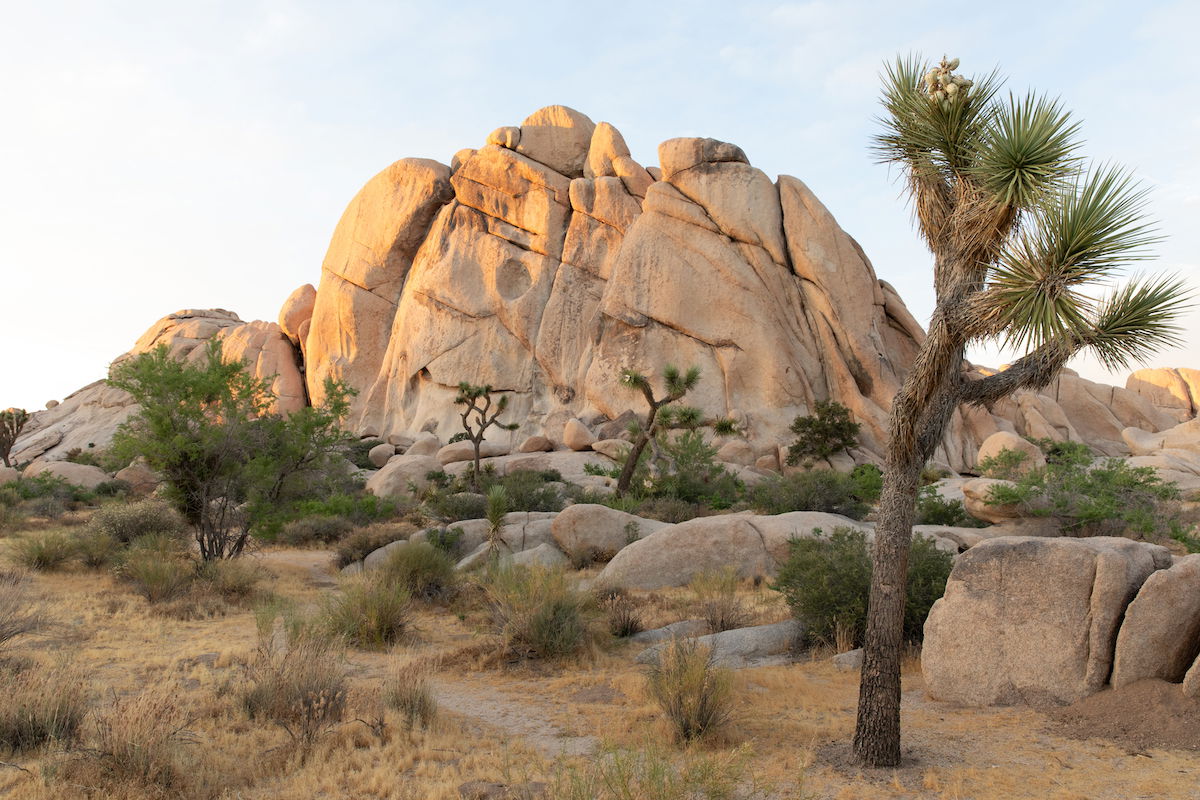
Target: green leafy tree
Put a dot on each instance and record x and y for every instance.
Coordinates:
(479, 414)
(1023, 234)
(827, 431)
(227, 460)
(12, 421)
(662, 416)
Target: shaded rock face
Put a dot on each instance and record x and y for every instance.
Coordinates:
(1032, 620)
(90, 416)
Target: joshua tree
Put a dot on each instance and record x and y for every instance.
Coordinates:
(477, 401)
(1022, 233)
(12, 420)
(659, 417)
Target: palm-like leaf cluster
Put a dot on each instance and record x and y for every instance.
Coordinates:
(1022, 231)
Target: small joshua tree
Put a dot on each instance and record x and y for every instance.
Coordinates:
(479, 414)
(12, 420)
(660, 417)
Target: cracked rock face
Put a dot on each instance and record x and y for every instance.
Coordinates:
(550, 261)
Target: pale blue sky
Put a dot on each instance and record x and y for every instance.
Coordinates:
(157, 156)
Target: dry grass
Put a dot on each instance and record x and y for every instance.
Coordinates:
(509, 723)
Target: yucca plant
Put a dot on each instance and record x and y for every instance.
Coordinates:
(1027, 240)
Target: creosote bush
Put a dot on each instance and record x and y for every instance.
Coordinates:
(125, 523)
(371, 612)
(815, 490)
(719, 605)
(295, 679)
(423, 570)
(537, 612)
(695, 695)
(827, 582)
(43, 551)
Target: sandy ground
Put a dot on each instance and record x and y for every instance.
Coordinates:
(515, 721)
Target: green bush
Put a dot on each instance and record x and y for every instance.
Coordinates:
(868, 482)
(425, 571)
(43, 552)
(315, 530)
(126, 523)
(48, 507)
(816, 490)
(360, 509)
(96, 550)
(235, 581)
(361, 543)
(1108, 497)
(827, 431)
(528, 490)
(537, 612)
(455, 506)
(933, 509)
(689, 471)
(370, 612)
(654, 772)
(671, 509)
(1006, 465)
(827, 582)
(114, 488)
(694, 693)
(156, 575)
(448, 540)
(358, 453)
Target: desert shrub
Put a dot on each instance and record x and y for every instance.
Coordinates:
(827, 582)
(128, 522)
(407, 691)
(933, 509)
(41, 706)
(361, 543)
(827, 431)
(650, 772)
(1108, 497)
(621, 614)
(537, 612)
(694, 693)
(315, 530)
(689, 471)
(43, 551)
(296, 679)
(370, 612)
(138, 740)
(425, 571)
(716, 593)
(1005, 465)
(448, 540)
(48, 507)
(358, 452)
(528, 490)
(157, 573)
(46, 485)
(671, 509)
(113, 488)
(96, 550)
(815, 490)
(868, 482)
(233, 581)
(454, 506)
(362, 508)
(18, 614)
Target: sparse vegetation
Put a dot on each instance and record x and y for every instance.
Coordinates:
(621, 613)
(693, 692)
(41, 706)
(719, 604)
(815, 490)
(364, 541)
(537, 613)
(44, 550)
(423, 570)
(126, 523)
(407, 691)
(371, 612)
(477, 416)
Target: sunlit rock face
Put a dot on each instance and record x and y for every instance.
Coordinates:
(547, 260)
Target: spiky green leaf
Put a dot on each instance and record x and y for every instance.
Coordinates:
(1027, 151)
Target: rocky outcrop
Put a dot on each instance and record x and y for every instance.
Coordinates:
(1160, 637)
(84, 475)
(547, 261)
(1031, 620)
(89, 417)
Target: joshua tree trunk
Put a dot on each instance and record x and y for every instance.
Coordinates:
(635, 452)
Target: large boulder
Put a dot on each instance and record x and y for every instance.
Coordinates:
(976, 496)
(742, 647)
(1000, 441)
(9, 474)
(590, 532)
(401, 474)
(753, 546)
(464, 450)
(84, 475)
(141, 479)
(1160, 637)
(1030, 620)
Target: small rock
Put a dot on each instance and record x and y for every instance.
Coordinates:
(846, 662)
(576, 436)
(613, 448)
(426, 444)
(684, 629)
(536, 444)
(544, 555)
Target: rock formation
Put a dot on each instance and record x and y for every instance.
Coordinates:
(547, 261)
